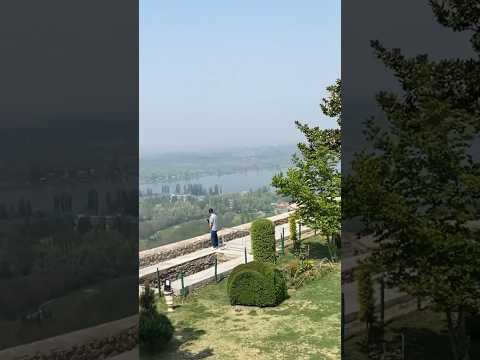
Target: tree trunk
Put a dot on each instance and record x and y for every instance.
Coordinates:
(459, 341)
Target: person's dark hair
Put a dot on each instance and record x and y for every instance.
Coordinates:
(210, 210)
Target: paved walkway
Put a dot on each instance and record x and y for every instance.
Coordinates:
(233, 250)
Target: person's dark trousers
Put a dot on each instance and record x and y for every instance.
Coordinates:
(214, 238)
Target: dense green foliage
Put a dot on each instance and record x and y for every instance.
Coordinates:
(155, 329)
(416, 186)
(256, 284)
(313, 183)
(262, 233)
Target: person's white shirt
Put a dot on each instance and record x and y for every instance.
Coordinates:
(213, 222)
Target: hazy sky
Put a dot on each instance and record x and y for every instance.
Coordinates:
(219, 73)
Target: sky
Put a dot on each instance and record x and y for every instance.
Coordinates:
(222, 73)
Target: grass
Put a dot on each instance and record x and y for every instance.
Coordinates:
(425, 337)
(305, 326)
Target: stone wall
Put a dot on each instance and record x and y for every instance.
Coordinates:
(170, 251)
(187, 269)
(101, 342)
(280, 221)
(98, 349)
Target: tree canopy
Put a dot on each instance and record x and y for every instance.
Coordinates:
(417, 190)
(313, 182)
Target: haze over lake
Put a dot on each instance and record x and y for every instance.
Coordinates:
(232, 183)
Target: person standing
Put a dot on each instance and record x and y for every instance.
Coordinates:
(212, 222)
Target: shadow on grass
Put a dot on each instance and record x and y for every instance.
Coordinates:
(319, 250)
(172, 351)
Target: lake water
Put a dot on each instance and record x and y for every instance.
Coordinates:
(229, 183)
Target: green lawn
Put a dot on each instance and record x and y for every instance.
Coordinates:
(305, 326)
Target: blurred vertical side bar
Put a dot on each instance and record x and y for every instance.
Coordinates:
(410, 126)
(68, 179)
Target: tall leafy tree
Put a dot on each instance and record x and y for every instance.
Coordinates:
(313, 182)
(418, 189)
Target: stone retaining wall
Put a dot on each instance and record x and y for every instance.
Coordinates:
(280, 221)
(98, 349)
(187, 269)
(170, 251)
(101, 342)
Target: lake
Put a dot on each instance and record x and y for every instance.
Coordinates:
(231, 183)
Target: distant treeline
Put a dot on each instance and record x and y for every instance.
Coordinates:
(190, 189)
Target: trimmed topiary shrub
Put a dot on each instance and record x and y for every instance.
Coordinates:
(256, 284)
(262, 234)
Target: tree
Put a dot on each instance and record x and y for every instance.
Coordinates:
(366, 310)
(292, 222)
(313, 183)
(417, 191)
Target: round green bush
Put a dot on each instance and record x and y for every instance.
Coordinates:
(262, 234)
(256, 284)
(155, 331)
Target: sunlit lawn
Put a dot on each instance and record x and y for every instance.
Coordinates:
(305, 326)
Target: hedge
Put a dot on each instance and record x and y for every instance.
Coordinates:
(256, 284)
(155, 331)
(262, 234)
